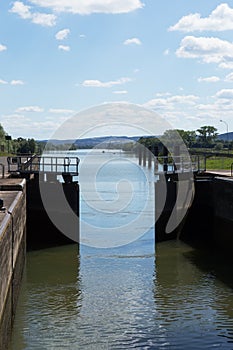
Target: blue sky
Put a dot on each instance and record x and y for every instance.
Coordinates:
(60, 57)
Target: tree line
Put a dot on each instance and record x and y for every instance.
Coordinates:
(18, 145)
(204, 137)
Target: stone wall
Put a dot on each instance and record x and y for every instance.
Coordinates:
(12, 256)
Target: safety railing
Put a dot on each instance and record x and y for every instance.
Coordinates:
(179, 164)
(46, 164)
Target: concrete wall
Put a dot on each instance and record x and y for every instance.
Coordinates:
(210, 218)
(223, 213)
(12, 255)
(163, 209)
(41, 230)
(209, 221)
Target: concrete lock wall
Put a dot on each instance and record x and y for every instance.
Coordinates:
(223, 213)
(25, 210)
(12, 256)
(163, 210)
(209, 220)
(41, 231)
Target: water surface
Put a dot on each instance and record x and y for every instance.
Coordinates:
(133, 296)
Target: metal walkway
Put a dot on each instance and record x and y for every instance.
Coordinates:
(179, 164)
(26, 165)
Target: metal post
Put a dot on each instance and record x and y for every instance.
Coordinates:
(165, 159)
(8, 139)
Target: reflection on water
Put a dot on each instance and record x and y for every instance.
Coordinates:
(50, 298)
(193, 305)
(117, 199)
(130, 297)
(123, 298)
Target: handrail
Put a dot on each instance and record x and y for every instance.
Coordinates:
(44, 164)
(178, 164)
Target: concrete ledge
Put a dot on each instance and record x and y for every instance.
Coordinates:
(12, 184)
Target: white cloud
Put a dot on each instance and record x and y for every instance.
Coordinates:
(108, 84)
(17, 82)
(3, 48)
(61, 111)
(12, 82)
(187, 99)
(227, 64)
(133, 41)
(19, 125)
(64, 48)
(220, 19)
(229, 77)
(201, 111)
(226, 94)
(169, 102)
(120, 92)
(24, 11)
(86, 7)
(14, 120)
(44, 19)
(212, 79)
(29, 109)
(208, 49)
(3, 81)
(158, 103)
(82, 36)
(162, 94)
(62, 34)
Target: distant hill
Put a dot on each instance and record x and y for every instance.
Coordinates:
(94, 141)
(226, 136)
(105, 141)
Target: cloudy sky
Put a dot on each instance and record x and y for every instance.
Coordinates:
(60, 57)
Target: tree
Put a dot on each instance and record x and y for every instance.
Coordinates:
(2, 133)
(189, 137)
(3, 142)
(174, 137)
(208, 135)
(25, 146)
(149, 142)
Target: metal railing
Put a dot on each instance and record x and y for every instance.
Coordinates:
(179, 164)
(46, 164)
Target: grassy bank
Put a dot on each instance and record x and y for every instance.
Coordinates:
(218, 163)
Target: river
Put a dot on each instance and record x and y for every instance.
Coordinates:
(123, 296)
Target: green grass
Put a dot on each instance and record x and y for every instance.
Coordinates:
(5, 154)
(218, 163)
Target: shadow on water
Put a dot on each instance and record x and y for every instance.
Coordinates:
(193, 296)
(50, 296)
(213, 262)
(130, 299)
(217, 265)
